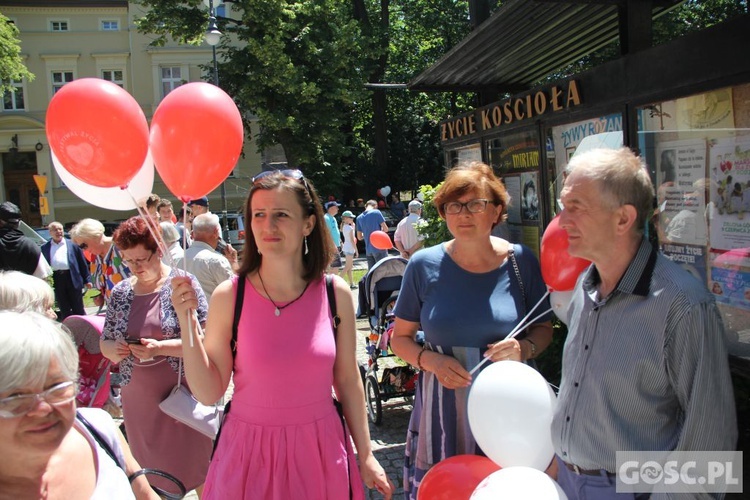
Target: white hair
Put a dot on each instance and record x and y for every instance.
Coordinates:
(87, 228)
(169, 232)
(30, 342)
(206, 224)
(22, 292)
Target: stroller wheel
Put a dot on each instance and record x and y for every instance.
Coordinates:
(374, 405)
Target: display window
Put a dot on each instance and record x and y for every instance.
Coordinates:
(698, 152)
(515, 157)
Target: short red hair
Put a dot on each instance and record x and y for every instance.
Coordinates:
(134, 232)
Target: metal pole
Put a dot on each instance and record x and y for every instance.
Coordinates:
(212, 22)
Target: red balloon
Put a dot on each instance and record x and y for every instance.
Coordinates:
(455, 478)
(196, 139)
(98, 132)
(560, 270)
(380, 240)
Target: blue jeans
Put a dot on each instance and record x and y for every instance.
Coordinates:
(374, 257)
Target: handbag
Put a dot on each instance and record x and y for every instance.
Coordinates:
(182, 406)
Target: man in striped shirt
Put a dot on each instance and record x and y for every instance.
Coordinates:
(645, 363)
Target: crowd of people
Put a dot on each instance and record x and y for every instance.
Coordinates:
(659, 381)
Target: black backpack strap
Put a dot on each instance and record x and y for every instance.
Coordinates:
(238, 302)
(332, 304)
(336, 321)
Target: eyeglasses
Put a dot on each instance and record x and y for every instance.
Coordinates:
(18, 406)
(473, 206)
(291, 173)
(138, 262)
(83, 246)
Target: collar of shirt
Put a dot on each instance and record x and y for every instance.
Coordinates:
(637, 277)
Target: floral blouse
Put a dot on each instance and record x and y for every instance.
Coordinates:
(118, 312)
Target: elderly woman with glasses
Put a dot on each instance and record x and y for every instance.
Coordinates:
(466, 295)
(49, 450)
(142, 334)
(284, 437)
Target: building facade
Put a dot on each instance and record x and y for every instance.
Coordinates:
(64, 40)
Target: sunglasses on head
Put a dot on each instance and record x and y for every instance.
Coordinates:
(289, 173)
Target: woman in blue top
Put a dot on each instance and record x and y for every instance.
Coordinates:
(466, 295)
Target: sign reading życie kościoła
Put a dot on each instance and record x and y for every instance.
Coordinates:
(513, 110)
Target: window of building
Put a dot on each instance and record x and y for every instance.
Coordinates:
(59, 25)
(60, 78)
(110, 25)
(171, 78)
(698, 152)
(13, 100)
(115, 76)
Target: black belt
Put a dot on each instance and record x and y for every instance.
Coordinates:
(586, 472)
(61, 271)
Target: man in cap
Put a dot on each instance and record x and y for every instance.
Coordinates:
(17, 251)
(369, 221)
(70, 271)
(199, 207)
(332, 208)
(406, 238)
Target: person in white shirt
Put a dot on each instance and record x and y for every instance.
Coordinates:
(70, 271)
(202, 260)
(406, 238)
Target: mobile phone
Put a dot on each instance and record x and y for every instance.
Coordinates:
(133, 341)
(221, 246)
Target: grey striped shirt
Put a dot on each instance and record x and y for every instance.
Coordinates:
(643, 369)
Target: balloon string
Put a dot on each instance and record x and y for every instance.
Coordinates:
(519, 327)
(155, 231)
(184, 269)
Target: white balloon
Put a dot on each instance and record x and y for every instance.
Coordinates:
(510, 411)
(420, 196)
(518, 483)
(560, 302)
(385, 191)
(112, 198)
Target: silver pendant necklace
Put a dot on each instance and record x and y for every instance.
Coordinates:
(278, 310)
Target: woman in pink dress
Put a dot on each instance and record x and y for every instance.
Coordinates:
(283, 437)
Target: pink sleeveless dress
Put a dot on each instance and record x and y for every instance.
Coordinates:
(283, 438)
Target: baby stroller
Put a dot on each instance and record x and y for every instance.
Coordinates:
(93, 367)
(382, 284)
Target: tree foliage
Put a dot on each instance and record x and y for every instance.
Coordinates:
(11, 62)
(301, 66)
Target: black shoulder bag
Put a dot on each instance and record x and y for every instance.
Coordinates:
(512, 257)
(238, 301)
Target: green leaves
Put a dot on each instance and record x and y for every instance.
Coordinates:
(11, 62)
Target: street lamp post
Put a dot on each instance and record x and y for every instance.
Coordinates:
(213, 37)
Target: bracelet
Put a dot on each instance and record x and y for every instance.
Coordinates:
(533, 348)
(419, 358)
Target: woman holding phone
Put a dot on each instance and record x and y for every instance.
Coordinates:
(142, 334)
